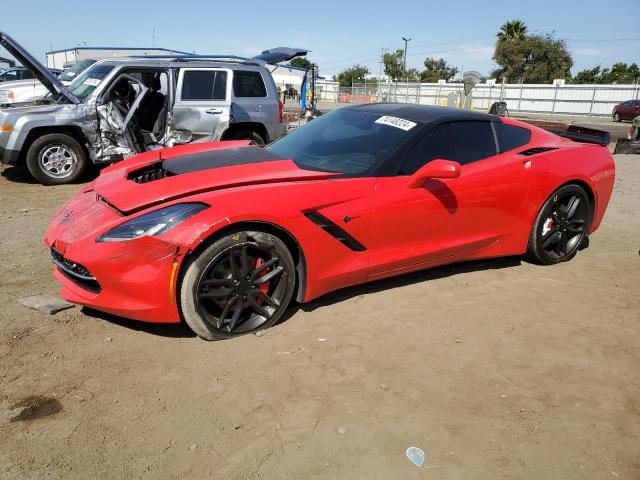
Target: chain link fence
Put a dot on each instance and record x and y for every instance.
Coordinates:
(590, 100)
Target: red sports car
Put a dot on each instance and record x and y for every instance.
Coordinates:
(225, 235)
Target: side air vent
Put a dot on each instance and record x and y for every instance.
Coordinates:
(150, 174)
(335, 231)
(536, 150)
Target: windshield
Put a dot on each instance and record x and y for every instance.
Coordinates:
(88, 81)
(345, 141)
(70, 74)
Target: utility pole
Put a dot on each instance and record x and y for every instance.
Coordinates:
(381, 62)
(404, 66)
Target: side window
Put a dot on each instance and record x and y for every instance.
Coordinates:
(248, 84)
(462, 142)
(9, 75)
(26, 75)
(510, 136)
(432, 145)
(204, 85)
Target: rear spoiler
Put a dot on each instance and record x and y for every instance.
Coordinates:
(584, 135)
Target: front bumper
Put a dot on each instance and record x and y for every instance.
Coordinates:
(9, 157)
(135, 283)
(133, 279)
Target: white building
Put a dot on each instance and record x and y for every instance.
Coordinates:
(70, 56)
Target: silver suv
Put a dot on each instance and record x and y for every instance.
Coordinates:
(119, 108)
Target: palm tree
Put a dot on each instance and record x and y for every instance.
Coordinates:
(513, 30)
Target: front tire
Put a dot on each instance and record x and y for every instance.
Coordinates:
(561, 226)
(56, 159)
(240, 283)
(616, 117)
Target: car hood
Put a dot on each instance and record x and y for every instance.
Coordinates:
(161, 176)
(48, 79)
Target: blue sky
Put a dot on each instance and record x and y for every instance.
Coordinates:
(339, 33)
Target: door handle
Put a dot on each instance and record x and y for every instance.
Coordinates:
(213, 111)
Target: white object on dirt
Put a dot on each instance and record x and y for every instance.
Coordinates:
(416, 455)
(45, 303)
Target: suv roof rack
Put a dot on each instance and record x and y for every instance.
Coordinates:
(202, 58)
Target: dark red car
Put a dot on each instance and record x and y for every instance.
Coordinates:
(626, 110)
(225, 235)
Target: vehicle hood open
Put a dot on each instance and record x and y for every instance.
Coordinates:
(48, 79)
(161, 176)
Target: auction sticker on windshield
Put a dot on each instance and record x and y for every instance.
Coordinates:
(401, 123)
(93, 82)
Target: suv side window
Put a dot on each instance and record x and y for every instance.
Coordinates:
(510, 136)
(204, 85)
(248, 84)
(10, 75)
(462, 142)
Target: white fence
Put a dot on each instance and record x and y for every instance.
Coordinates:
(592, 100)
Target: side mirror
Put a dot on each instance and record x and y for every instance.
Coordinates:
(434, 169)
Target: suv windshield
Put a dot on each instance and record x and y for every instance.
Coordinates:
(345, 141)
(88, 81)
(70, 74)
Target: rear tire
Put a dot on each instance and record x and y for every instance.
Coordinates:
(56, 159)
(616, 117)
(561, 226)
(240, 283)
(254, 137)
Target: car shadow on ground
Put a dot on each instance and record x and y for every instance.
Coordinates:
(181, 330)
(171, 330)
(401, 281)
(18, 175)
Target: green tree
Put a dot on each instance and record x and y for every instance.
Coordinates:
(394, 65)
(352, 75)
(437, 69)
(618, 73)
(302, 62)
(589, 75)
(512, 30)
(621, 73)
(533, 59)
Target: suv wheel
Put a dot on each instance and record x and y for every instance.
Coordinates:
(254, 137)
(616, 117)
(56, 159)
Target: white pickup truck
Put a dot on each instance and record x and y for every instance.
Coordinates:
(28, 90)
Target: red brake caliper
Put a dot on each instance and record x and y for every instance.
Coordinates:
(265, 286)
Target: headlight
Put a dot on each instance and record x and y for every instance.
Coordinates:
(6, 96)
(154, 223)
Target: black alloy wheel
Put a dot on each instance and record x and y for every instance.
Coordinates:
(562, 226)
(241, 283)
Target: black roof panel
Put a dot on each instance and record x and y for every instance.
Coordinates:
(424, 113)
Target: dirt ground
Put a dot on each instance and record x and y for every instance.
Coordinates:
(496, 369)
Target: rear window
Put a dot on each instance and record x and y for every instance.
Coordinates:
(204, 85)
(510, 136)
(248, 84)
